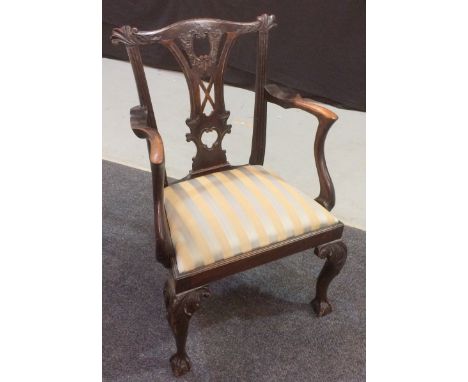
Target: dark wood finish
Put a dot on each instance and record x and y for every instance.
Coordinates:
(252, 259)
(257, 154)
(204, 75)
(141, 126)
(142, 85)
(335, 254)
(180, 39)
(180, 309)
(288, 99)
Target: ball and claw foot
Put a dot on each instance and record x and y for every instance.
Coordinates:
(335, 254)
(321, 308)
(180, 309)
(180, 364)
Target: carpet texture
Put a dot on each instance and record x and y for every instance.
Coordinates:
(256, 326)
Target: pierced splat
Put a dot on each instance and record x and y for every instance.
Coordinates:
(207, 95)
(204, 73)
(209, 138)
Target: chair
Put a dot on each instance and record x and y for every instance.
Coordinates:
(222, 219)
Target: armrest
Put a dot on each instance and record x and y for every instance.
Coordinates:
(289, 99)
(139, 124)
(286, 98)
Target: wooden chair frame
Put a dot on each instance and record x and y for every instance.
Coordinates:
(183, 292)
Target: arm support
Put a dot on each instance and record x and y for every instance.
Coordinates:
(288, 99)
(140, 126)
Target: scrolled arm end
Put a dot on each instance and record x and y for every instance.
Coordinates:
(139, 124)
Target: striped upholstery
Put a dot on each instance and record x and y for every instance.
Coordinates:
(224, 214)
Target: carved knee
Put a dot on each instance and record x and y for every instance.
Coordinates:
(335, 254)
(180, 309)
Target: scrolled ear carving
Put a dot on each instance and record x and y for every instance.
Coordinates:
(132, 36)
(267, 22)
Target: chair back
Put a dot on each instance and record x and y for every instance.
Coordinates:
(204, 71)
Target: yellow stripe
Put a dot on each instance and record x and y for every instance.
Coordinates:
(192, 244)
(313, 214)
(184, 260)
(210, 218)
(329, 217)
(263, 237)
(227, 208)
(290, 210)
(275, 219)
(191, 225)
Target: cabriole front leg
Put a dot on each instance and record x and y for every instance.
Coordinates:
(335, 253)
(180, 309)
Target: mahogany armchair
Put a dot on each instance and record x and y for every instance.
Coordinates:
(223, 219)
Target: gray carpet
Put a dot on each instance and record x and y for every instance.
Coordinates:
(256, 326)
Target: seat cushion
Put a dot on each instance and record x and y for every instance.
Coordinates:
(224, 214)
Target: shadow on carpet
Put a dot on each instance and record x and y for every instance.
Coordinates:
(256, 326)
